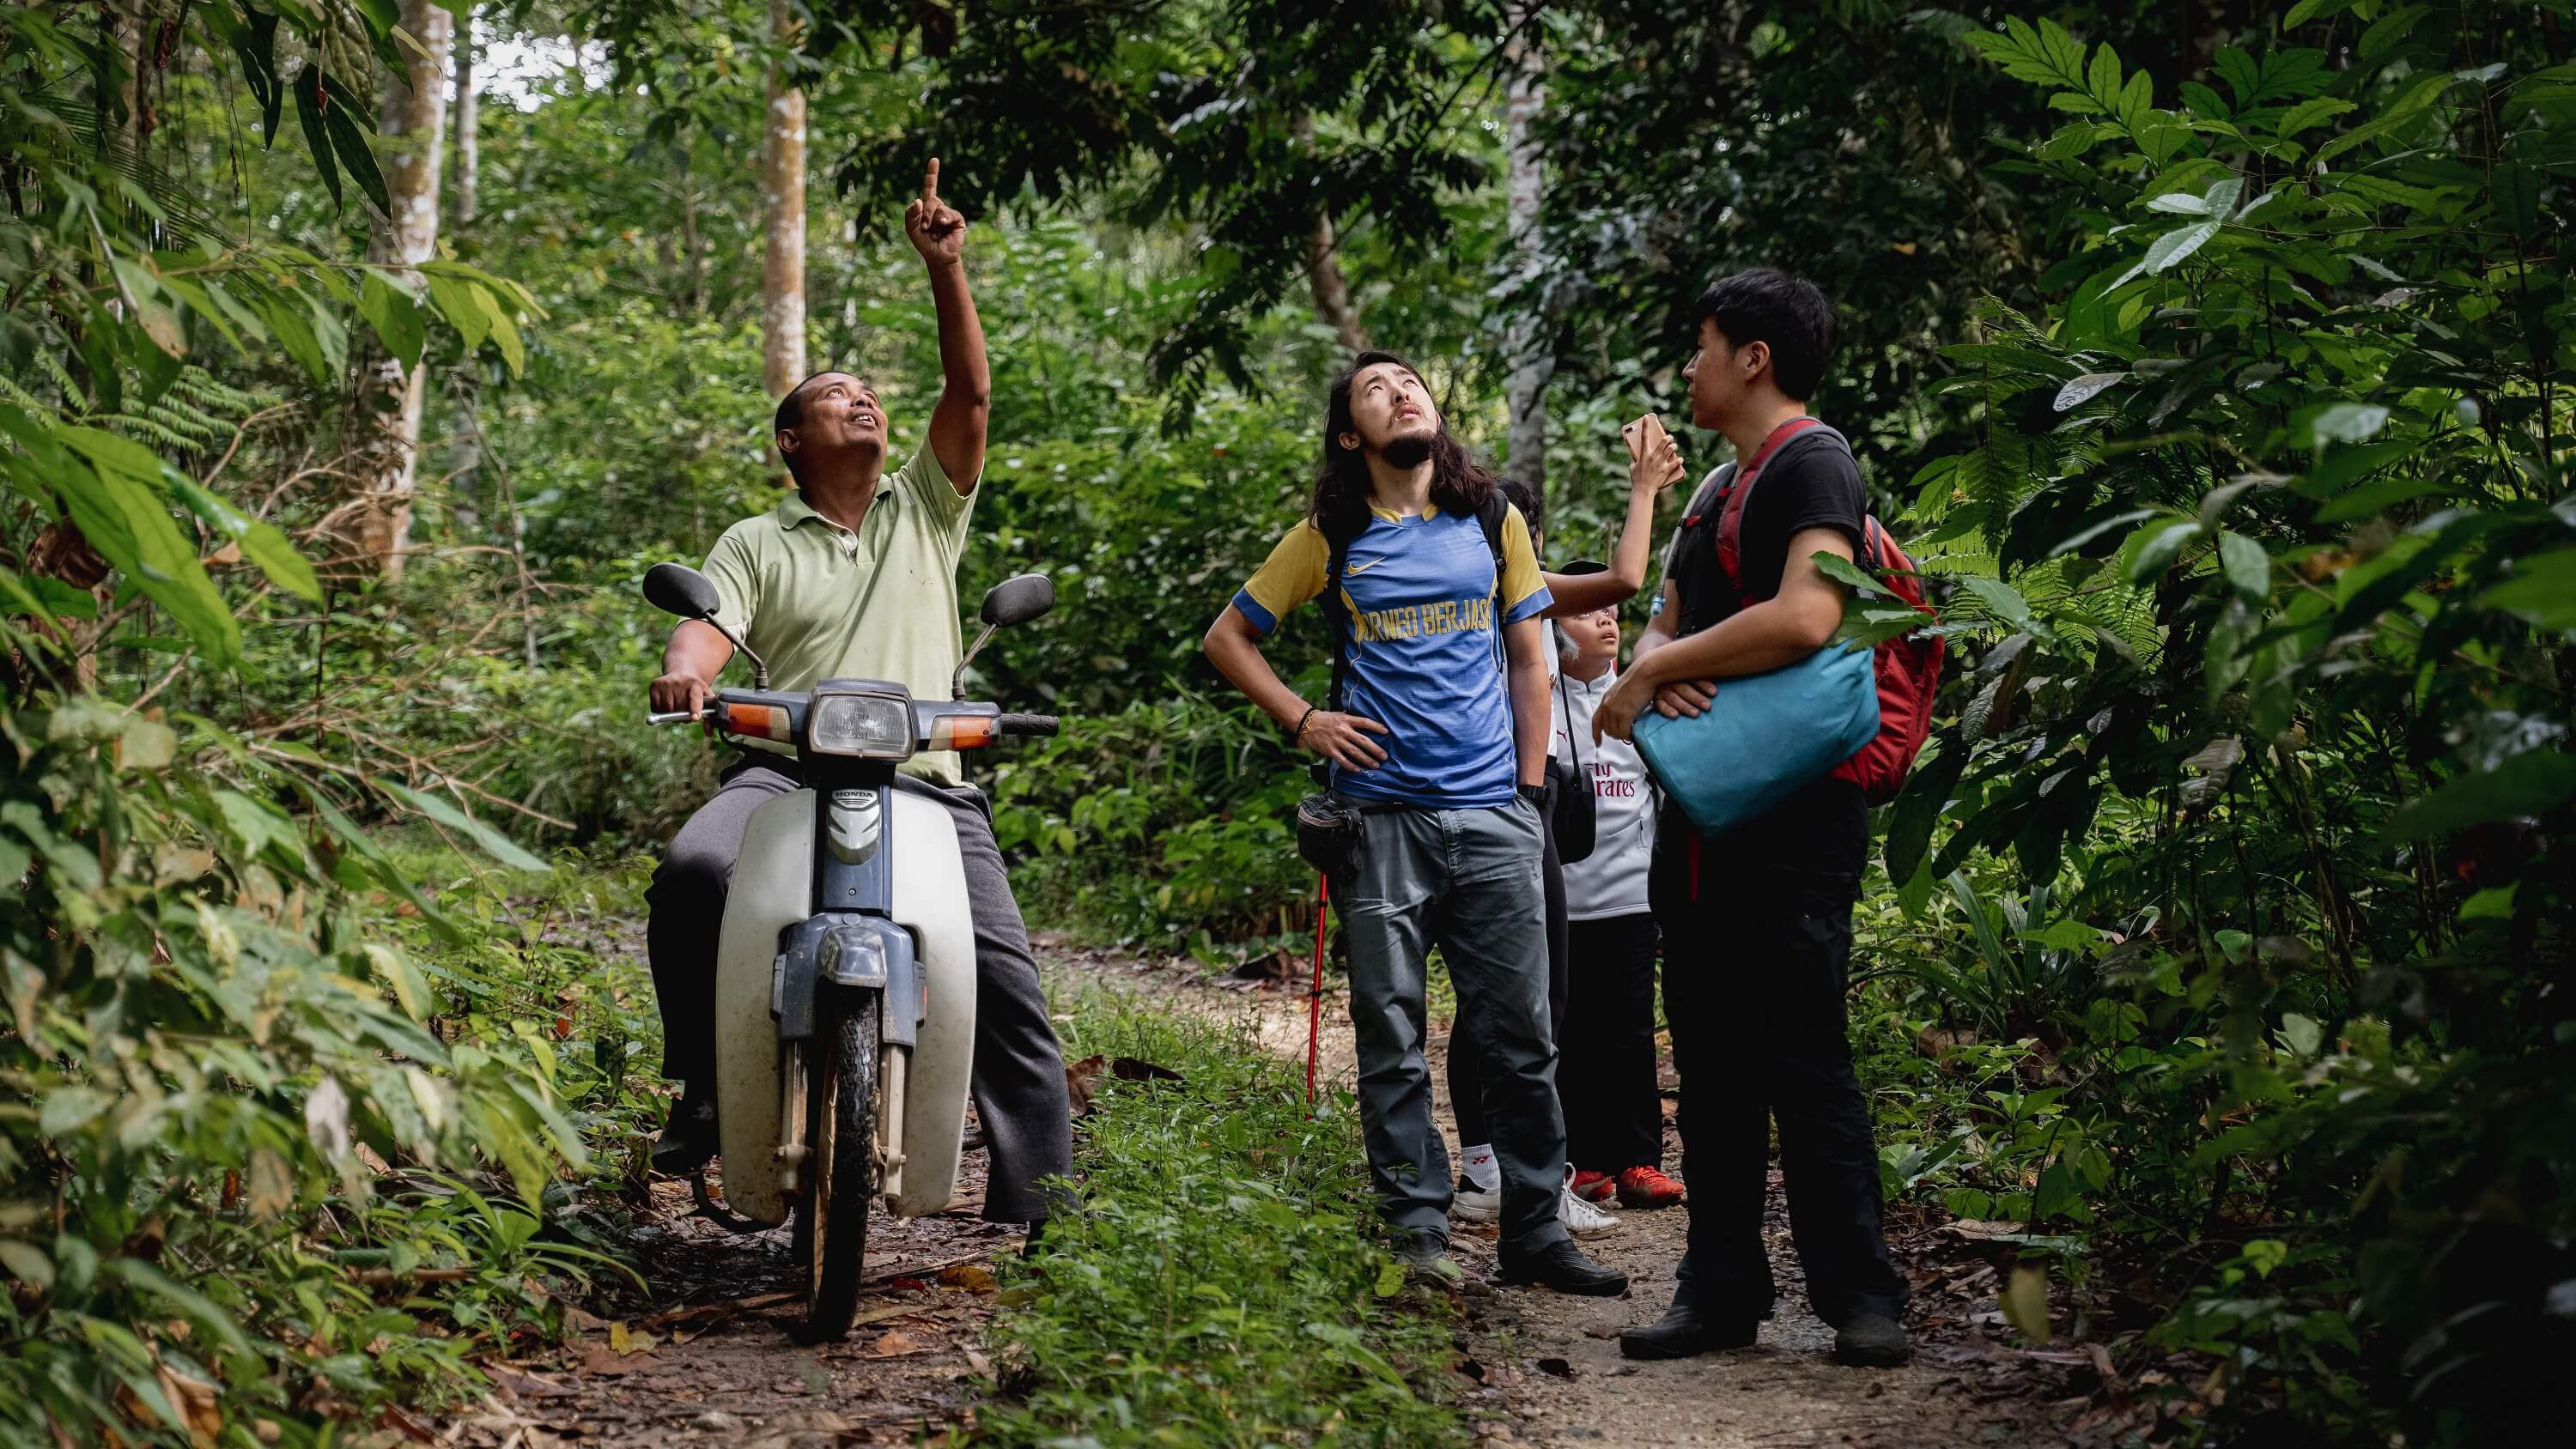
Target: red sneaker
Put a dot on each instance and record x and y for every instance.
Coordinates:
(1591, 1186)
(1647, 1187)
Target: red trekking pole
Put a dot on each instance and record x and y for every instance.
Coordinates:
(1315, 995)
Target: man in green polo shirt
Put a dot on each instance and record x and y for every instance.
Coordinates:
(855, 577)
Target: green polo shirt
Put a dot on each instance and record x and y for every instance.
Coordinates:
(820, 602)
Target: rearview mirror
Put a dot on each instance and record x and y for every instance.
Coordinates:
(1018, 599)
(679, 589)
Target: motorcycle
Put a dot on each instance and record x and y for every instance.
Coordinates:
(845, 967)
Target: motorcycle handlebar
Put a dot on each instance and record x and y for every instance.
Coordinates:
(1033, 725)
(677, 716)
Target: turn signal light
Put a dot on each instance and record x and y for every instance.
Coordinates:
(759, 721)
(961, 731)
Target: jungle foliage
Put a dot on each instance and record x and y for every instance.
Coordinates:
(2213, 358)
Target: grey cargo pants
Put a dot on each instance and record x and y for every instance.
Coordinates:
(1466, 881)
(1019, 1068)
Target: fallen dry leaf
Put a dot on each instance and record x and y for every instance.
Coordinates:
(892, 1344)
(622, 1340)
(973, 1277)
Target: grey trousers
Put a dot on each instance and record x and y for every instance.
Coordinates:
(1018, 1081)
(1466, 881)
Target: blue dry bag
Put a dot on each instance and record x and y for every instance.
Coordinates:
(1764, 737)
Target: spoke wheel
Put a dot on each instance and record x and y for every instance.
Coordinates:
(840, 1129)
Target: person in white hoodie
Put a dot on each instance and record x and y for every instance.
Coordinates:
(1605, 1078)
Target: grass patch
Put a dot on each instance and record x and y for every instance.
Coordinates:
(1225, 1280)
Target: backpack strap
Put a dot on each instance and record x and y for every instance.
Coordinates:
(1730, 522)
(1331, 599)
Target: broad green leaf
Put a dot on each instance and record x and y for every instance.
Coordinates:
(2530, 783)
(2173, 246)
(349, 142)
(309, 102)
(500, 847)
(2153, 548)
(2247, 566)
(261, 542)
(2348, 422)
(2025, 1302)
(2542, 591)
(2084, 389)
(505, 330)
(2312, 112)
(2006, 604)
(128, 525)
(195, 1306)
(461, 307)
(394, 316)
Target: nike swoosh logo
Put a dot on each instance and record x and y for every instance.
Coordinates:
(1361, 568)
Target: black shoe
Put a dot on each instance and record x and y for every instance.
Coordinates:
(689, 1139)
(1872, 1340)
(1562, 1268)
(1685, 1332)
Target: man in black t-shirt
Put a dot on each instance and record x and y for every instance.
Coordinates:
(1755, 997)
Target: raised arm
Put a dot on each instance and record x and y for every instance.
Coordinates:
(1654, 464)
(938, 232)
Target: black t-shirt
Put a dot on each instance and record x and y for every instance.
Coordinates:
(1809, 482)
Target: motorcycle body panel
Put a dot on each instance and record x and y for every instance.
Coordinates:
(771, 891)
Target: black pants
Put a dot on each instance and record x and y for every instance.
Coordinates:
(1605, 1068)
(1466, 1079)
(1757, 929)
(1018, 1081)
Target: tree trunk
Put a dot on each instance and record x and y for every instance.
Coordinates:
(414, 121)
(693, 248)
(1529, 343)
(469, 143)
(1324, 278)
(782, 268)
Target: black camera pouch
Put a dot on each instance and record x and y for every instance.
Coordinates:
(1328, 834)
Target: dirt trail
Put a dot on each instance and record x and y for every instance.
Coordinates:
(712, 1356)
(1547, 1367)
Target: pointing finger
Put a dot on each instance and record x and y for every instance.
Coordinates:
(930, 185)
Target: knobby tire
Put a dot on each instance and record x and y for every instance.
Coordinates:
(841, 1126)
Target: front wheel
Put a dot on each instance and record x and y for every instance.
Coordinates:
(840, 1127)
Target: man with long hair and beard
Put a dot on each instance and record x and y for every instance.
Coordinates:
(1437, 739)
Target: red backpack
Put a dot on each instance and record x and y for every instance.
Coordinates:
(1908, 666)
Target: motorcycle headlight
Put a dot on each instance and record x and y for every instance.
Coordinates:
(870, 726)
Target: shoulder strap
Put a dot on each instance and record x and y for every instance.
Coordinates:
(1338, 616)
(1492, 516)
(1573, 736)
(1730, 523)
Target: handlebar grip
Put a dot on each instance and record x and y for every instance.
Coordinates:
(1033, 725)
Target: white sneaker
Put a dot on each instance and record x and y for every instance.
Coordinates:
(1581, 1218)
(1476, 1204)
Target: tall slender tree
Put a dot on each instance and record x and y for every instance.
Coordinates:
(782, 167)
(1528, 343)
(414, 120)
(469, 143)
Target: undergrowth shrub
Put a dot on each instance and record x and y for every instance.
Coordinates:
(1221, 1280)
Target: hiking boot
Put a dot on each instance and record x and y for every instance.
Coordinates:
(1562, 1268)
(1476, 1204)
(1426, 1260)
(1872, 1340)
(1685, 1332)
(1581, 1218)
(689, 1138)
(1648, 1187)
(1591, 1186)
